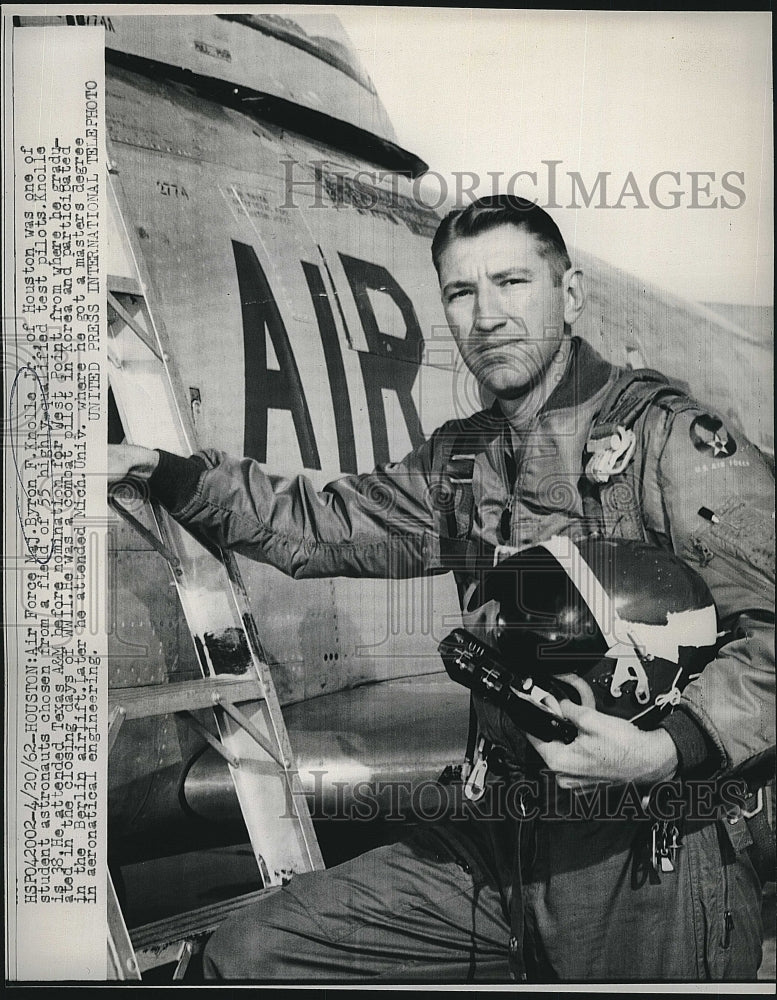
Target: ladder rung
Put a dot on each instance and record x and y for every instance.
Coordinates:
(115, 720)
(159, 943)
(122, 960)
(183, 696)
(164, 955)
(208, 736)
(250, 728)
(132, 323)
(184, 958)
(123, 285)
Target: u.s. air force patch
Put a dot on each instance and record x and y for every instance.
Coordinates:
(710, 437)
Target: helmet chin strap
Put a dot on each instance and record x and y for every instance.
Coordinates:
(630, 668)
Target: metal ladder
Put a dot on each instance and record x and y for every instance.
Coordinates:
(253, 737)
(175, 939)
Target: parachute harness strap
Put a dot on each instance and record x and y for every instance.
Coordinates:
(630, 669)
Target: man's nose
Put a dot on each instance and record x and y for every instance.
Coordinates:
(489, 315)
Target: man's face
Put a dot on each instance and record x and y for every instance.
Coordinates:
(503, 308)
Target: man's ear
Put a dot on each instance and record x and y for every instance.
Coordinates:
(573, 285)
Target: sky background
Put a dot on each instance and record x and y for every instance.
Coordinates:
(503, 90)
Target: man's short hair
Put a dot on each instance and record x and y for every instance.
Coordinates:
(500, 210)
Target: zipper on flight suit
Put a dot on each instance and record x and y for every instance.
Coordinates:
(726, 847)
(509, 469)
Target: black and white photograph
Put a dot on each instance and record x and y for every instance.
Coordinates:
(389, 497)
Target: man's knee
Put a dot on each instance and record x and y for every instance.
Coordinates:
(253, 943)
(235, 951)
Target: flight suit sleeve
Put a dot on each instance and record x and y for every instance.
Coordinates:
(710, 494)
(381, 524)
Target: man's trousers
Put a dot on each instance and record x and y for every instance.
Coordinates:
(594, 910)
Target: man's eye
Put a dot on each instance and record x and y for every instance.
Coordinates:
(515, 281)
(458, 294)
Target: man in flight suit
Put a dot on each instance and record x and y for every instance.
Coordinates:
(490, 897)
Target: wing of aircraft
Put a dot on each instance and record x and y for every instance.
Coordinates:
(263, 218)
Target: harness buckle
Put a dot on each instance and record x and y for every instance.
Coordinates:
(476, 782)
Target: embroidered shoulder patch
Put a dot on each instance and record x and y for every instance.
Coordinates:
(710, 437)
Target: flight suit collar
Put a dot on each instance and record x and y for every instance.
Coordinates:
(516, 482)
(586, 374)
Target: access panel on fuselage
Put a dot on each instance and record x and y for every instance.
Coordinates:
(300, 335)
